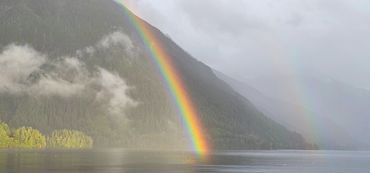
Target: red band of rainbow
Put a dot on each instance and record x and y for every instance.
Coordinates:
(174, 82)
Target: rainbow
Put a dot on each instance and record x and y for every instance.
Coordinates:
(174, 82)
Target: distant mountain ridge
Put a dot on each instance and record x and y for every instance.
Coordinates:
(318, 124)
(86, 68)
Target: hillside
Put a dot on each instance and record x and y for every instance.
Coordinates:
(337, 101)
(314, 126)
(73, 64)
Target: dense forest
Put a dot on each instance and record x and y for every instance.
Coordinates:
(30, 138)
(86, 68)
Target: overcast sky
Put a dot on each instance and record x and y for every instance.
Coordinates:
(249, 38)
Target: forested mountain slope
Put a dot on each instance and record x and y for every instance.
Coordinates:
(81, 65)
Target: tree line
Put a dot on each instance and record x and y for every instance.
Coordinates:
(30, 138)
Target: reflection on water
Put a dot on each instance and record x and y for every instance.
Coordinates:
(121, 161)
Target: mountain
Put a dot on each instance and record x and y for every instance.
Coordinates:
(345, 105)
(314, 126)
(335, 113)
(82, 65)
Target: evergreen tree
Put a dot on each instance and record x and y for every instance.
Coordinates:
(5, 140)
(71, 139)
(27, 137)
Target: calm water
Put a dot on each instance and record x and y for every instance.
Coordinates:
(121, 161)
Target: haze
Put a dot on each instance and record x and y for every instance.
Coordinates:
(307, 59)
(246, 38)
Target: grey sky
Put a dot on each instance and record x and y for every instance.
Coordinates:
(249, 38)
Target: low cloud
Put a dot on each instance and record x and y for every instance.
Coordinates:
(113, 88)
(16, 65)
(25, 71)
(115, 38)
(67, 78)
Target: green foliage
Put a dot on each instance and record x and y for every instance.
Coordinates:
(5, 140)
(27, 137)
(71, 139)
(30, 138)
(4, 128)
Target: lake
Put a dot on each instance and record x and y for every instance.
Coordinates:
(123, 161)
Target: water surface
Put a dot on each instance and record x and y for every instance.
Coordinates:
(123, 161)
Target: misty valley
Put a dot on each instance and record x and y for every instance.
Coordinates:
(97, 86)
(102, 80)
